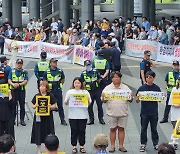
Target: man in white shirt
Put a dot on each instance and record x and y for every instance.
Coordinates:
(31, 25)
(54, 24)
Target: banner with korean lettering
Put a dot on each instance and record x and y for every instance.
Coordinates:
(81, 54)
(117, 95)
(78, 100)
(152, 96)
(33, 49)
(168, 53)
(4, 90)
(136, 48)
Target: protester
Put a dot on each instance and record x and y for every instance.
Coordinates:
(77, 115)
(37, 36)
(175, 111)
(42, 125)
(2, 40)
(117, 112)
(100, 144)
(149, 112)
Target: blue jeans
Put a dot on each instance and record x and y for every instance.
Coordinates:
(153, 119)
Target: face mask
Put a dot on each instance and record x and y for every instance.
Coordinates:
(104, 20)
(78, 22)
(88, 68)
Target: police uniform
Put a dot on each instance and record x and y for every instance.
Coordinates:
(101, 65)
(39, 69)
(146, 66)
(91, 79)
(171, 80)
(54, 78)
(19, 93)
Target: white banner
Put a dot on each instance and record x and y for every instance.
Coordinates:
(168, 53)
(81, 54)
(33, 49)
(152, 96)
(136, 48)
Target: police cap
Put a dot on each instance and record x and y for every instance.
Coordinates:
(19, 61)
(3, 59)
(87, 62)
(53, 60)
(175, 62)
(43, 54)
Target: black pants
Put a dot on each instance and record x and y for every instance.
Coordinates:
(78, 131)
(7, 127)
(95, 96)
(103, 84)
(167, 108)
(19, 96)
(117, 68)
(58, 95)
(2, 48)
(145, 119)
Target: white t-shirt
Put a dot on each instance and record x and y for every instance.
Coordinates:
(77, 112)
(54, 26)
(175, 112)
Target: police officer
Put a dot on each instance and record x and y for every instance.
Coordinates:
(145, 66)
(40, 67)
(5, 69)
(91, 78)
(171, 81)
(17, 80)
(102, 65)
(56, 78)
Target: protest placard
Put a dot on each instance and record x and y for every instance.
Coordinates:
(117, 95)
(152, 96)
(177, 129)
(78, 100)
(4, 90)
(175, 98)
(43, 108)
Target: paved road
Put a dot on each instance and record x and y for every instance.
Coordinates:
(130, 71)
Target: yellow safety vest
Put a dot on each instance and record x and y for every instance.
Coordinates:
(54, 81)
(16, 79)
(43, 66)
(100, 64)
(91, 82)
(171, 82)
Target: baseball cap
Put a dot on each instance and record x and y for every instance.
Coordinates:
(175, 62)
(147, 52)
(19, 61)
(101, 140)
(87, 62)
(111, 34)
(3, 58)
(53, 60)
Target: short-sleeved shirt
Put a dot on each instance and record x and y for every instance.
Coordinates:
(149, 107)
(54, 73)
(7, 69)
(90, 74)
(117, 108)
(175, 74)
(53, 99)
(77, 112)
(19, 73)
(175, 112)
(142, 65)
(128, 32)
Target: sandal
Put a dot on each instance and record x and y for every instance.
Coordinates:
(111, 150)
(122, 149)
(82, 150)
(74, 150)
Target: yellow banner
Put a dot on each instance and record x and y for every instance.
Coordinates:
(43, 108)
(4, 90)
(78, 100)
(117, 95)
(175, 97)
(152, 96)
(177, 129)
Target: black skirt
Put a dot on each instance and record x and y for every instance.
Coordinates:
(41, 129)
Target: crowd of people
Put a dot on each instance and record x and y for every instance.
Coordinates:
(101, 75)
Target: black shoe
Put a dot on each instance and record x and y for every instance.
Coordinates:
(64, 123)
(175, 146)
(90, 123)
(23, 123)
(101, 121)
(163, 121)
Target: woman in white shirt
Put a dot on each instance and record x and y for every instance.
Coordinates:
(78, 113)
(175, 110)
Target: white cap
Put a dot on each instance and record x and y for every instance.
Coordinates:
(111, 34)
